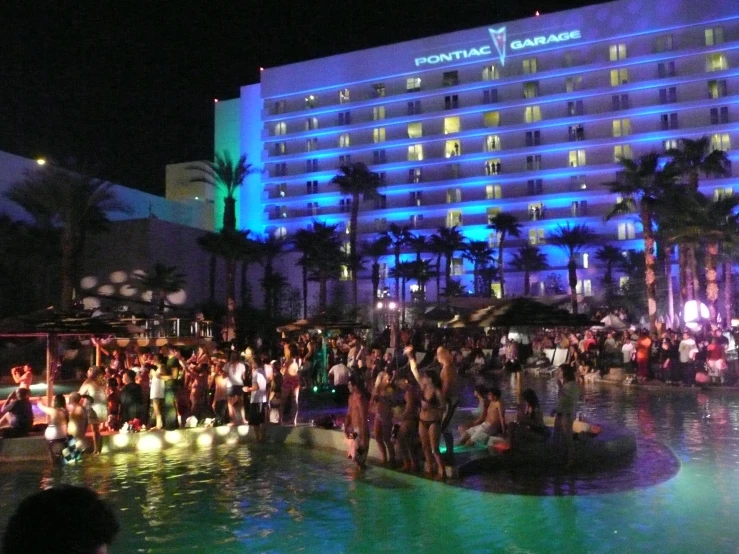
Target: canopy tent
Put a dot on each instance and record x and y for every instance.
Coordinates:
(321, 322)
(521, 312)
(441, 314)
(613, 322)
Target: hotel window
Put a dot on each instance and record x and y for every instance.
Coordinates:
(493, 192)
(617, 52)
(450, 79)
(453, 195)
(576, 132)
(282, 210)
(584, 287)
(536, 211)
(714, 36)
(716, 88)
(620, 102)
(670, 144)
(416, 198)
(532, 114)
(380, 225)
(721, 141)
(490, 73)
(622, 152)
(280, 128)
(280, 107)
(345, 273)
(416, 221)
(378, 90)
(413, 84)
(533, 138)
(535, 186)
(452, 148)
(378, 113)
(311, 187)
(280, 233)
(491, 119)
(280, 169)
(575, 108)
(344, 96)
(378, 134)
(415, 130)
(494, 239)
(716, 62)
(313, 208)
(452, 171)
(345, 159)
(451, 125)
(415, 152)
(531, 89)
(492, 167)
(663, 43)
(311, 165)
(490, 96)
(569, 59)
(453, 218)
(280, 190)
(492, 143)
(722, 192)
(311, 144)
(491, 213)
(457, 266)
(414, 107)
(573, 83)
(344, 140)
(345, 205)
(451, 102)
(577, 158)
(380, 201)
(626, 231)
(719, 115)
(668, 95)
(623, 282)
(311, 101)
(414, 175)
(665, 69)
(668, 121)
(585, 260)
(621, 127)
(536, 236)
(533, 163)
(311, 124)
(280, 148)
(578, 182)
(345, 118)
(529, 66)
(379, 156)
(619, 77)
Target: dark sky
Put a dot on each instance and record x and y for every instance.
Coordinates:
(127, 86)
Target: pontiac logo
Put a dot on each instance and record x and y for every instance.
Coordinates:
(499, 40)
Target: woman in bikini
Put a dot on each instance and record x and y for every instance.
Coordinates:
(56, 430)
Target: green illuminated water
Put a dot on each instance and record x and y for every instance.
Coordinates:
(279, 499)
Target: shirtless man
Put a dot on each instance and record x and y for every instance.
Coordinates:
(23, 376)
(356, 425)
(82, 415)
(494, 424)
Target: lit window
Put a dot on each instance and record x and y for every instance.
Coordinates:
(663, 43)
(585, 260)
(621, 127)
(492, 167)
(344, 140)
(344, 276)
(670, 144)
(378, 90)
(494, 239)
(575, 107)
(716, 62)
(577, 158)
(493, 192)
(451, 125)
(415, 130)
(619, 77)
(714, 36)
(536, 211)
(573, 83)
(626, 231)
(623, 282)
(721, 141)
(311, 144)
(280, 148)
(453, 218)
(531, 89)
(622, 152)
(416, 221)
(416, 198)
(311, 101)
(491, 119)
(280, 128)
(532, 114)
(716, 88)
(378, 134)
(457, 267)
(536, 236)
(378, 113)
(453, 195)
(413, 84)
(344, 96)
(415, 175)
(584, 287)
(492, 143)
(579, 208)
(452, 148)
(490, 73)
(722, 192)
(280, 233)
(415, 152)
(311, 123)
(529, 65)
(617, 52)
(491, 213)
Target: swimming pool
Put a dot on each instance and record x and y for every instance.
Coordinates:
(282, 499)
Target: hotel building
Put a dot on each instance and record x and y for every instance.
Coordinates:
(526, 117)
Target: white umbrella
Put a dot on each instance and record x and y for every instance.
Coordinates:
(613, 322)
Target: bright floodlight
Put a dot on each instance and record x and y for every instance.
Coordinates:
(41, 161)
(695, 311)
(379, 305)
(391, 305)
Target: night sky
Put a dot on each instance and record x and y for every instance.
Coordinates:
(125, 87)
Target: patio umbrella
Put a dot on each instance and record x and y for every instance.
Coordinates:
(613, 322)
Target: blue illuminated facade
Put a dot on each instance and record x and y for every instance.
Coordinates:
(526, 117)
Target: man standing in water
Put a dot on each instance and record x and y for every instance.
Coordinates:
(356, 425)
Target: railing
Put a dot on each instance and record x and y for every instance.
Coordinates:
(172, 328)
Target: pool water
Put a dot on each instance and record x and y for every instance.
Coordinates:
(680, 493)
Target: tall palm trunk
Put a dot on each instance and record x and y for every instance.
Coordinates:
(670, 291)
(438, 278)
(402, 302)
(229, 214)
(212, 278)
(728, 292)
(397, 277)
(572, 271)
(712, 279)
(322, 293)
(353, 256)
(244, 283)
(501, 270)
(67, 276)
(650, 277)
(375, 280)
(267, 284)
(448, 270)
(230, 288)
(526, 283)
(305, 292)
(693, 262)
(682, 269)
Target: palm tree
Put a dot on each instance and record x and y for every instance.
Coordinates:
(71, 202)
(161, 281)
(399, 237)
(529, 259)
(436, 247)
(694, 156)
(422, 272)
(269, 249)
(210, 244)
(418, 244)
(642, 186)
(403, 271)
(572, 241)
(303, 242)
(375, 250)
(223, 173)
(325, 260)
(481, 256)
(609, 255)
(449, 240)
(357, 181)
(505, 225)
(248, 253)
